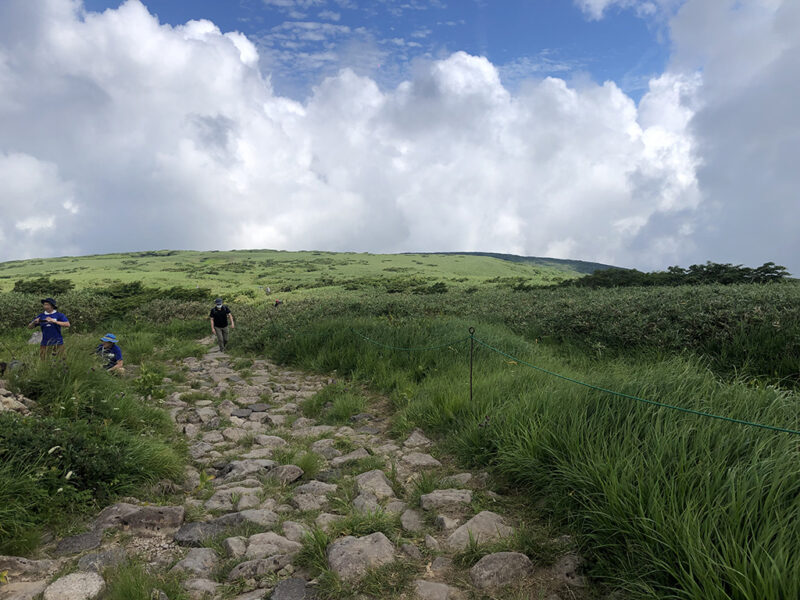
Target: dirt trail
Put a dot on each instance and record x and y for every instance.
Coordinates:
(236, 526)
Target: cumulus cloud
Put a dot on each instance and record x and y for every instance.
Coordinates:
(130, 134)
(596, 9)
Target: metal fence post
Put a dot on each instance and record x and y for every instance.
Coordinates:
(471, 354)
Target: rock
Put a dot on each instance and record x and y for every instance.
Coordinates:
(235, 547)
(412, 521)
(79, 543)
(213, 437)
(445, 499)
(431, 543)
(263, 517)
(350, 457)
(484, 527)
(258, 407)
(418, 460)
(242, 413)
(376, 483)
(193, 534)
(500, 569)
(83, 585)
(396, 507)
(430, 590)
(350, 557)
(258, 568)
(239, 469)
(275, 420)
(441, 563)
(386, 449)
(254, 595)
(304, 502)
(459, 479)
(22, 590)
(566, 570)
(206, 414)
(292, 589)
(258, 453)
(97, 561)
(417, 440)
(16, 567)
(234, 434)
(294, 531)
(325, 448)
(140, 519)
(366, 503)
(445, 523)
(199, 561)
(199, 588)
(267, 544)
(325, 520)
(412, 551)
(287, 473)
(303, 422)
(317, 488)
(248, 502)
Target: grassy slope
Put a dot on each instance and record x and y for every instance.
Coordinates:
(241, 270)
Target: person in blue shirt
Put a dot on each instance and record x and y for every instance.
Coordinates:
(111, 353)
(51, 323)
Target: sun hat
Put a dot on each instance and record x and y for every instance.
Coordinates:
(109, 337)
(51, 301)
(218, 301)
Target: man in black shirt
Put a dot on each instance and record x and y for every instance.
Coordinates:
(220, 315)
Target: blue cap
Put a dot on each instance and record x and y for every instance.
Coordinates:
(109, 337)
(50, 301)
(218, 301)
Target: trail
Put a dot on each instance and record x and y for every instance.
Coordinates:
(235, 528)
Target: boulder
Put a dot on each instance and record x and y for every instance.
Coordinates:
(417, 440)
(140, 519)
(22, 590)
(263, 517)
(411, 521)
(79, 543)
(351, 557)
(325, 448)
(366, 503)
(350, 457)
(500, 569)
(97, 561)
(235, 547)
(294, 531)
(287, 473)
(430, 590)
(292, 589)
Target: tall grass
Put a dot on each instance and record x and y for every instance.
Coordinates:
(666, 504)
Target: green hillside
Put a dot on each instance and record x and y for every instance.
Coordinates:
(250, 271)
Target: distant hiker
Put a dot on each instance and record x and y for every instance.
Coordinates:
(111, 354)
(51, 323)
(220, 315)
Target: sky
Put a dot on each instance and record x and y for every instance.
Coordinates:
(639, 133)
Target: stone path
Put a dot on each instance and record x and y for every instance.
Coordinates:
(248, 505)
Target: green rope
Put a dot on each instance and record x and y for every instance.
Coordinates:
(653, 402)
(411, 349)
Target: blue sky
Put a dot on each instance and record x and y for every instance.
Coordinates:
(302, 41)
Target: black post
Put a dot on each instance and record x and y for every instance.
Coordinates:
(471, 353)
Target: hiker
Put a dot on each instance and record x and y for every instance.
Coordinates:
(220, 315)
(111, 353)
(51, 323)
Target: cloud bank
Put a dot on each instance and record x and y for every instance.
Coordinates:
(119, 133)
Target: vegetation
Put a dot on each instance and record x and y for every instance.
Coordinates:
(725, 274)
(664, 504)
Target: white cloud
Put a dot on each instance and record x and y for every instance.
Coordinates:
(171, 137)
(596, 9)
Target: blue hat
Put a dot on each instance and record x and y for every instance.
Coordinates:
(218, 301)
(50, 301)
(109, 337)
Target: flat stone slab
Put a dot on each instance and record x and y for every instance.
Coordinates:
(142, 519)
(417, 440)
(292, 589)
(270, 441)
(484, 527)
(258, 568)
(351, 557)
(86, 585)
(97, 561)
(350, 457)
(17, 566)
(318, 488)
(500, 569)
(376, 483)
(267, 544)
(287, 473)
(419, 460)
(199, 561)
(193, 534)
(79, 543)
(443, 499)
(22, 590)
